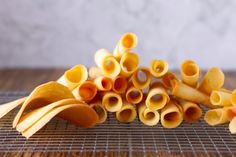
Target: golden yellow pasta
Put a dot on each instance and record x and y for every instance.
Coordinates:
(7, 107)
(43, 95)
(230, 112)
(220, 98)
(147, 116)
(216, 116)
(158, 68)
(129, 63)
(112, 101)
(95, 72)
(232, 126)
(85, 92)
(100, 110)
(190, 73)
(141, 78)
(157, 98)
(127, 42)
(103, 83)
(133, 95)
(127, 113)
(79, 114)
(192, 112)
(74, 76)
(107, 63)
(233, 97)
(213, 80)
(171, 115)
(168, 80)
(119, 84)
(185, 92)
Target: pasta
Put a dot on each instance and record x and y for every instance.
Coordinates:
(190, 73)
(233, 97)
(168, 79)
(141, 78)
(127, 42)
(171, 115)
(147, 116)
(158, 68)
(119, 84)
(112, 102)
(128, 63)
(100, 110)
(103, 83)
(74, 76)
(216, 116)
(192, 112)
(43, 95)
(127, 113)
(213, 80)
(86, 91)
(220, 98)
(95, 72)
(230, 112)
(133, 95)
(107, 63)
(232, 126)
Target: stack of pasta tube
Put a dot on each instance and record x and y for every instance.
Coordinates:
(118, 84)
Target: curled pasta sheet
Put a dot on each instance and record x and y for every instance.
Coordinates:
(7, 107)
(95, 72)
(168, 79)
(112, 101)
(220, 98)
(134, 95)
(158, 68)
(230, 112)
(157, 98)
(141, 78)
(79, 114)
(127, 42)
(190, 73)
(213, 80)
(85, 91)
(43, 95)
(127, 113)
(171, 115)
(232, 126)
(107, 63)
(192, 112)
(233, 97)
(103, 83)
(189, 93)
(128, 63)
(147, 116)
(100, 110)
(217, 116)
(74, 76)
(119, 84)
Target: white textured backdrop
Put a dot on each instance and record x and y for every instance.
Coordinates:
(61, 33)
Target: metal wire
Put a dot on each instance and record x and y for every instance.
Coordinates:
(61, 136)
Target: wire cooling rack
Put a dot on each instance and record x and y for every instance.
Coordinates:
(61, 136)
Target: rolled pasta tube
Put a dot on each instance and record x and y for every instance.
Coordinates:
(191, 111)
(216, 116)
(213, 80)
(7, 107)
(95, 72)
(147, 116)
(171, 116)
(157, 98)
(133, 95)
(158, 68)
(128, 63)
(127, 42)
(233, 97)
(74, 76)
(141, 78)
(168, 80)
(119, 84)
(103, 83)
(127, 113)
(100, 110)
(189, 93)
(220, 98)
(79, 114)
(43, 95)
(107, 63)
(230, 112)
(232, 126)
(112, 102)
(190, 73)
(86, 91)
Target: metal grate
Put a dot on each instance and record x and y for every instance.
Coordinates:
(60, 136)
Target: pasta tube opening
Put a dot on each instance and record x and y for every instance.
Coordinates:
(126, 114)
(168, 80)
(216, 117)
(100, 110)
(129, 63)
(141, 78)
(147, 116)
(157, 98)
(158, 68)
(119, 84)
(134, 95)
(112, 102)
(103, 83)
(220, 98)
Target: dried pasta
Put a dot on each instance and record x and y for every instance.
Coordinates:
(233, 97)
(128, 63)
(133, 95)
(103, 83)
(119, 84)
(216, 116)
(158, 68)
(220, 98)
(100, 110)
(141, 78)
(232, 126)
(112, 101)
(95, 72)
(127, 113)
(168, 80)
